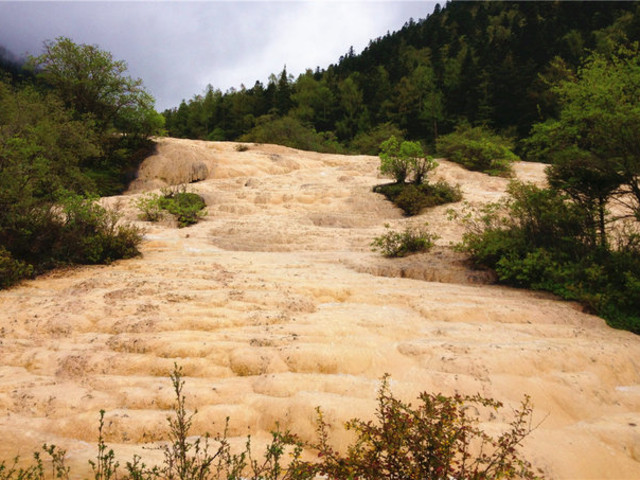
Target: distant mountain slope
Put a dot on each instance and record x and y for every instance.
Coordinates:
(477, 62)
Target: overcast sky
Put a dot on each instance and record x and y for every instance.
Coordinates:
(179, 47)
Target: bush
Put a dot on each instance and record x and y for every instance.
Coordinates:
(432, 441)
(479, 149)
(368, 143)
(291, 132)
(89, 233)
(539, 239)
(185, 206)
(400, 160)
(73, 230)
(412, 199)
(400, 244)
(149, 206)
(12, 270)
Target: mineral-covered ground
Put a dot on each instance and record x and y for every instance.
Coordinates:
(274, 304)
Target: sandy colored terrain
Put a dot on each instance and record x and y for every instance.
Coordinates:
(275, 304)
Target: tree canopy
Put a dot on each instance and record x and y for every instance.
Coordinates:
(91, 83)
(67, 134)
(481, 63)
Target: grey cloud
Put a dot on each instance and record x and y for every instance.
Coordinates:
(178, 48)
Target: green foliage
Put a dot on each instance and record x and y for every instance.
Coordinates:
(593, 150)
(12, 270)
(593, 145)
(478, 148)
(89, 233)
(41, 147)
(186, 207)
(115, 108)
(36, 470)
(46, 218)
(413, 239)
(369, 142)
(541, 239)
(413, 199)
(401, 160)
(149, 206)
(95, 86)
(435, 440)
(72, 230)
(290, 132)
(489, 63)
(105, 466)
(431, 441)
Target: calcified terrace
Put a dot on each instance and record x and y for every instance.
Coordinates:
(274, 304)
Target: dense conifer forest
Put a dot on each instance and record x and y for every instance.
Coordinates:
(484, 63)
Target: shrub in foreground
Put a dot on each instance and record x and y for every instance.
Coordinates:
(400, 244)
(439, 439)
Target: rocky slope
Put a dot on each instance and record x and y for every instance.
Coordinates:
(274, 304)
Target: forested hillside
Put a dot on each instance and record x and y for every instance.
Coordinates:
(489, 63)
(72, 126)
(558, 82)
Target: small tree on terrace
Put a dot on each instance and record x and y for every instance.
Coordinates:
(400, 160)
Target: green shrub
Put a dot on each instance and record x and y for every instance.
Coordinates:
(539, 239)
(368, 143)
(72, 230)
(149, 206)
(12, 270)
(186, 207)
(400, 244)
(291, 132)
(431, 441)
(412, 199)
(479, 149)
(402, 159)
(89, 233)
(441, 192)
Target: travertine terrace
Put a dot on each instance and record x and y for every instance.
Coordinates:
(274, 304)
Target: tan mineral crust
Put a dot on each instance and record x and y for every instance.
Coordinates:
(275, 304)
